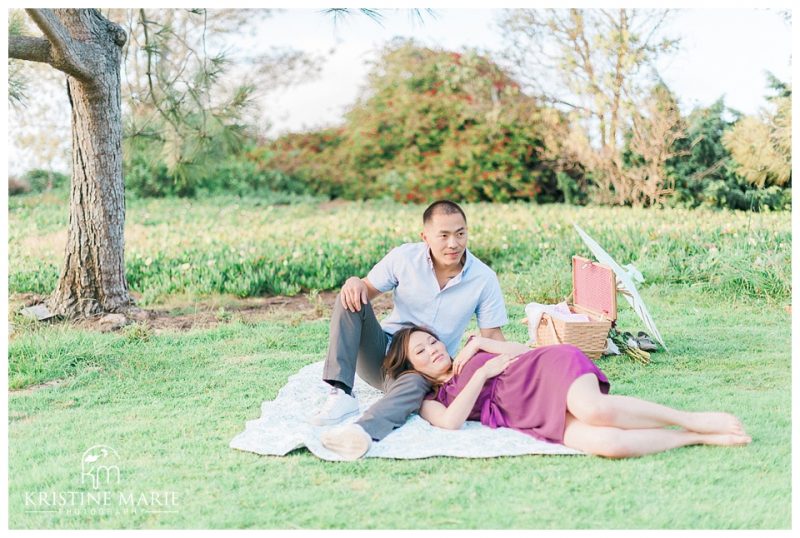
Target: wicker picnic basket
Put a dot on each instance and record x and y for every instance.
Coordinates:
(594, 293)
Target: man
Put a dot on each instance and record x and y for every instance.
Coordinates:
(437, 283)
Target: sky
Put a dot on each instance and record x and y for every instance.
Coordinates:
(723, 52)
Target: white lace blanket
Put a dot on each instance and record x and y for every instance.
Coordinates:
(282, 428)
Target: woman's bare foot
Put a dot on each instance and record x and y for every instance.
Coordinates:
(724, 439)
(714, 423)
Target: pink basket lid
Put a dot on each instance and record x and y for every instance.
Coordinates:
(594, 287)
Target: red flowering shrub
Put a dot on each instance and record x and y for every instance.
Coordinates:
(431, 124)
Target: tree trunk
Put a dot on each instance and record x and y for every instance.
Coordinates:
(92, 279)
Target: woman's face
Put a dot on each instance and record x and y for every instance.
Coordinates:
(428, 355)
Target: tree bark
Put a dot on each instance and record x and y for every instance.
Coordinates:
(88, 47)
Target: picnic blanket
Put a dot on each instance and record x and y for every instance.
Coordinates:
(283, 427)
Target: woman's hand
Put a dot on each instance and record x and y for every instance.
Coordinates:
(497, 365)
(466, 353)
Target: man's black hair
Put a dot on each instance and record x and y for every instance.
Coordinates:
(444, 207)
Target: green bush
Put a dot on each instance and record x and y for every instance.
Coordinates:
(741, 195)
(145, 177)
(43, 180)
(432, 124)
(705, 173)
(238, 173)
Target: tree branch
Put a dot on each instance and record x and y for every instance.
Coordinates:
(33, 49)
(51, 27)
(148, 47)
(64, 50)
(554, 99)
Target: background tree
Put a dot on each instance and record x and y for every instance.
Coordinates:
(430, 123)
(651, 144)
(593, 64)
(190, 99)
(761, 145)
(702, 159)
(87, 47)
(192, 104)
(175, 100)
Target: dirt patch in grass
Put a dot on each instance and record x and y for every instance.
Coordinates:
(296, 309)
(183, 314)
(33, 388)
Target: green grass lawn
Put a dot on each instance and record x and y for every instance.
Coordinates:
(170, 403)
(245, 247)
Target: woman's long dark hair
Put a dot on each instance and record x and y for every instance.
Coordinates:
(396, 362)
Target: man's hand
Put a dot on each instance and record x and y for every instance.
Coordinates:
(354, 293)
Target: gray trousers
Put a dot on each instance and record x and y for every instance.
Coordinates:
(358, 345)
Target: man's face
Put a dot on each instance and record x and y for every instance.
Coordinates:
(446, 236)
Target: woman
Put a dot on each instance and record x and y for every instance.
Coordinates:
(553, 393)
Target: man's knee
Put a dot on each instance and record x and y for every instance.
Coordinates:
(339, 309)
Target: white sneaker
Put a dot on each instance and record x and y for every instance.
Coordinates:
(337, 407)
(349, 441)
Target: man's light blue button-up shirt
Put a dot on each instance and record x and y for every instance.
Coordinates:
(408, 270)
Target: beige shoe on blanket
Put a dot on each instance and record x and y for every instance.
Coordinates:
(349, 441)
